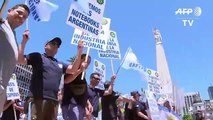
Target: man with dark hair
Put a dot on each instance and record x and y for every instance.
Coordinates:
(8, 45)
(75, 97)
(95, 93)
(46, 76)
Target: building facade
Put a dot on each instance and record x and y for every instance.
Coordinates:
(210, 91)
(190, 99)
(23, 76)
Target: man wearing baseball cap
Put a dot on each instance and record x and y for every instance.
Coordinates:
(46, 76)
(55, 41)
(139, 108)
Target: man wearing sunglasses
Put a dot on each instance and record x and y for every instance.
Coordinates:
(95, 93)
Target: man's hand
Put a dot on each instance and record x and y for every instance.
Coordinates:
(80, 44)
(113, 79)
(83, 66)
(89, 110)
(26, 36)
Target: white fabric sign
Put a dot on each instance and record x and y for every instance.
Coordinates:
(99, 43)
(86, 15)
(101, 69)
(12, 89)
(112, 50)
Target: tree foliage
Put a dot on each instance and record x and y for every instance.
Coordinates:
(187, 117)
(72, 59)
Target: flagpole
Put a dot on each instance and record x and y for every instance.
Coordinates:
(122, 61)
(3, 7)
(29, 111)
(88, 49)
(27, 21)
(112, 67)
(14, 111)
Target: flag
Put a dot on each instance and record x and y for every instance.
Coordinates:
(179, 99)
(41, 10)
(130, 61)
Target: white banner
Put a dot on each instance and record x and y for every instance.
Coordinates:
(99, 43)
(12, 89)
(101, 69)
(86, 15)
(153, 81)
(112, 50)
(153, 106)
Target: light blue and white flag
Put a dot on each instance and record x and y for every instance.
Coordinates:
(41, 10)
(131, 62)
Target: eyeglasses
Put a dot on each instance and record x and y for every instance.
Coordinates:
(98, 79)
(54, 44)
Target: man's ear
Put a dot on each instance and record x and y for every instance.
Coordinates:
(9, 10)
(45, 46)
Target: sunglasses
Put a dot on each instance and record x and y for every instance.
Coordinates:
(98, 79)
(54, 44)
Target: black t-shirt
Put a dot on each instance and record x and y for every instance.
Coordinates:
(139, 107)
(94, 95)
(47, 72)
(77, 90)
(109, 107)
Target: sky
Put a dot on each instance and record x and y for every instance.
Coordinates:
(188, 49)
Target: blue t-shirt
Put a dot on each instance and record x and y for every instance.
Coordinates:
(94, 95)
(139, 107)
(47, 72)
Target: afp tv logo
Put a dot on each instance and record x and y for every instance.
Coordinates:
(188, 15)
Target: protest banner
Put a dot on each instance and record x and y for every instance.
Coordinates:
(86, 15)
(153, 81)
(99, 43)
(101, 69)
(12, 89)
(112, 50)
(153, 106)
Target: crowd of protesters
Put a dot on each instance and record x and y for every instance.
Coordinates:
(78, 99)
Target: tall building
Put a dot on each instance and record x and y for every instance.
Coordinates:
(162, 67)
(210, 91)
(23, 76)
(190, 99)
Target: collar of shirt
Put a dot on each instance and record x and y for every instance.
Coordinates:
(50, 57)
